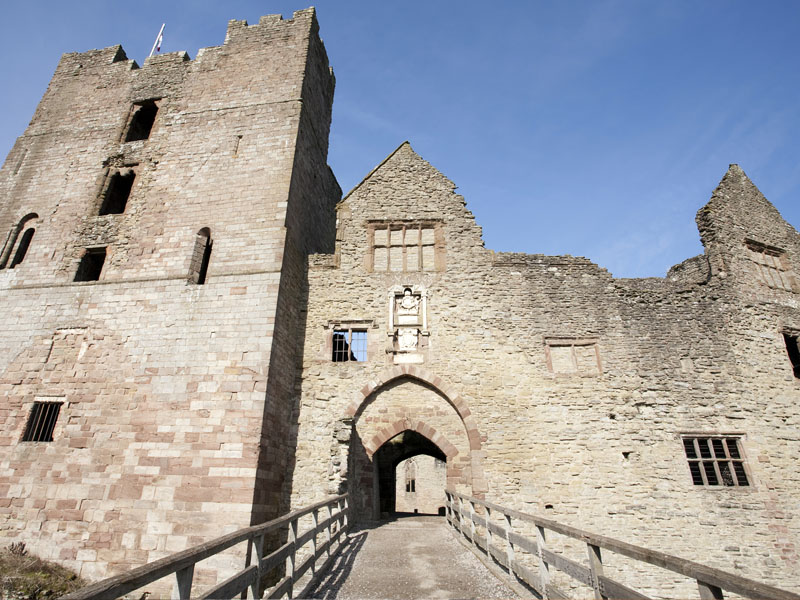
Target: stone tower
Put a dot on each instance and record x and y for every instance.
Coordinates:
(155, 225)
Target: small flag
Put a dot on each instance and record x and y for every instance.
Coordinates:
(159, 38)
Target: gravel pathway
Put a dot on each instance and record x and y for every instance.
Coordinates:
(410, 557)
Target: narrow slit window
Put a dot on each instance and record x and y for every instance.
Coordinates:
(142, 120)
(201, 256)
(91, 265)
(793, 349)
(349, 345)
(715, 461)
(22, 249)
(117, 192)
(18, 242)
(42, 422)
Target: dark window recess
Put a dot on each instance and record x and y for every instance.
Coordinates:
(42, 422)
(91, 265)
(715, 461)
(144, 115)
(117, 193)
(201, 275)
(22, 249)
(349, 345)
(793, 348)
(411, 485)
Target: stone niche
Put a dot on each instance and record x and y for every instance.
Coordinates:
(408, 324)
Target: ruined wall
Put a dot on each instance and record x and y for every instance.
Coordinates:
(172, 391)
(577, 386)
(425, 496)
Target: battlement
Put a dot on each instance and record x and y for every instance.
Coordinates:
(271, 24)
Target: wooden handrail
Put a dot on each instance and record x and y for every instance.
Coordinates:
(182, 563)
(710, 581)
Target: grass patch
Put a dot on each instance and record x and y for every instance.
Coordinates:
(29, 577)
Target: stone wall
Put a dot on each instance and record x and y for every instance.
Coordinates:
(574, 389)
(176, 397)
(425, 496)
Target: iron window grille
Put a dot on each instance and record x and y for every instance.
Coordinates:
(716, 461)
(349, 345)
(42, 422)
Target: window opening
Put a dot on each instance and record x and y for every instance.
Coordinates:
(91, 265)
(117, 192)
(349, 345)
(770, 265)
(572, 355)
(42, 422)
(715, 461)
(404, 247)
(18, 250)
(144, 115)
(793, 349)
(22, 249)
(201, 256)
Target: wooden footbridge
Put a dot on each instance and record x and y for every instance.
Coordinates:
(315, 552)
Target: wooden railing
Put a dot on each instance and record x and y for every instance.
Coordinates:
(331, 526)
(485, 533)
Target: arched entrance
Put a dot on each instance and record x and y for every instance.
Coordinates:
(433, 420)
(402, 447)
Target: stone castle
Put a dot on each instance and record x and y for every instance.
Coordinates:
(199, 333)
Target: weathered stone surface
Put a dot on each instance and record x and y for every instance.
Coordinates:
(572, 388)
(188, 410)
(174, 426)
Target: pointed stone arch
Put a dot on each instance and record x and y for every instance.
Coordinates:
(425, 376)
(370, 424)
(417, 425)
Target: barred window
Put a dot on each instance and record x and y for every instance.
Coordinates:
(349, 345)
(42, 422)
(770, 266)
(399, 247)
(715, 461)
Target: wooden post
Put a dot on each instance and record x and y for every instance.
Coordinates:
(488, 533)
(544, 569)
(708, 591)
(315, 523)
(509, 545)
(596, 568)
(258, 546)
(291, 559)
(182, 590)
(328, 533)
(472, 522)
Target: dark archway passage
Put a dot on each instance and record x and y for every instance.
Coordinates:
(405, 444)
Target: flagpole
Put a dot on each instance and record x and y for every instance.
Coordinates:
(158, 39)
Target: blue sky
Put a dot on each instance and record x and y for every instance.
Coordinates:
(594, 128)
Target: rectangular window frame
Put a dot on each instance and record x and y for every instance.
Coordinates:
(408, 240)
(707, 472)
(110, 198)
(572, 343)
(88, 263)
(360, 325)
(42, 421)
(771, 266)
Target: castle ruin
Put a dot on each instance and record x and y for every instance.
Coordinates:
(199, 333)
